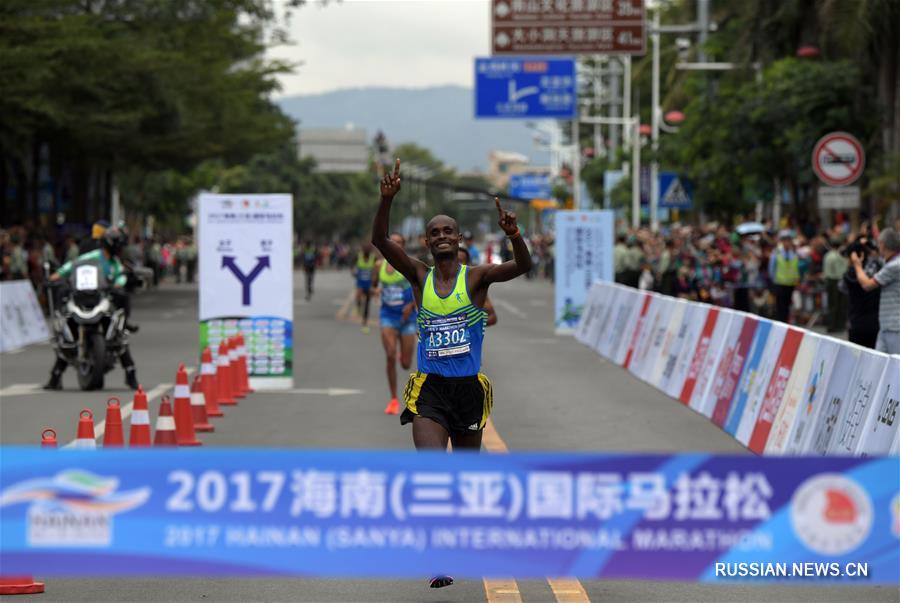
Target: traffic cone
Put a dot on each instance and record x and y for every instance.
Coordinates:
(165, 425)
(223, 375)
(112, 435)
(184, 416)
(20, 585)
(198, 407)
(208, 384)
(237, 389)
(85, 436)
(245, 372)
(139, 434)
(48, 438)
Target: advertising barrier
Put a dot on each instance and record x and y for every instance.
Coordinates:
(881, 426)
(778, 390)
(246, 275)
(271, 512)
(21, 318)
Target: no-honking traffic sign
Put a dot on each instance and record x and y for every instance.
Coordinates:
(838, 159)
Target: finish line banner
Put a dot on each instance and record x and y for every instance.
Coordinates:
(246, 281)
(366, 514)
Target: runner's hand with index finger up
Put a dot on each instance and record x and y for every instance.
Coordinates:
(507, 219)
(390, 184)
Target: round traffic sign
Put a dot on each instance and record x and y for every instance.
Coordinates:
(838, 159)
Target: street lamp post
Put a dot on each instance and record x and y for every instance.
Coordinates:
(633, 125)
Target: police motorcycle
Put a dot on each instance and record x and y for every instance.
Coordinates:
(88, 328)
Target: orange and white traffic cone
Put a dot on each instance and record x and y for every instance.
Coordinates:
(20, 585)
(139, 434)
(184, 416)
(223, 375)
(48, 438)
(236, 385)
(113, 437)
(242, 362)
(165, 425)
(85, 434)
(208, 383)
(198, 407)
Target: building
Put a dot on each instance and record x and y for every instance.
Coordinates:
(503, 164)
(336, 150)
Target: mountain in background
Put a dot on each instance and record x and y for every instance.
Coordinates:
(439, 118)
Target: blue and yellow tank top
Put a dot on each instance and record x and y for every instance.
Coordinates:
(451, 330)
(395, 291)
(364, 267)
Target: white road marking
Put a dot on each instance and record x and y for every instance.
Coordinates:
(20, 389)
(508, 307)
(100, 428)
(329, 391)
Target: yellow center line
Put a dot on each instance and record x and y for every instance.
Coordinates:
(499, 590)
(567, 590)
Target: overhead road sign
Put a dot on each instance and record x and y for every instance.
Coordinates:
(568, 27)
(516, 87)
(838, 159)
(530, 186)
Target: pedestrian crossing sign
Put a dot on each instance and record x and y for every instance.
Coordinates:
(674, 192)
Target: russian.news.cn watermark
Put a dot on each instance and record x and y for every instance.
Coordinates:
(804, 569)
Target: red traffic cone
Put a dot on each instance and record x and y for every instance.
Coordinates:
(236, 385)
(208, 381)
(165, 425)
(198, 407)
(85, 435)
(20, 585)
(139, 434)
(184, 416)
(113, 437)
(242, 362)
(223, 375)
(48, 438)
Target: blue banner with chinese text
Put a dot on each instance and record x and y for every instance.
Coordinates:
(221, 512)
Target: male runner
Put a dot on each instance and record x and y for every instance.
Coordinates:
(448, 398)
(398, 321)
(365, 263)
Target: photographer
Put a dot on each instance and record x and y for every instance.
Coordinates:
(862, 309)
(888, 280)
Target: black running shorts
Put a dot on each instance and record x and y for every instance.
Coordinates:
(458, 404)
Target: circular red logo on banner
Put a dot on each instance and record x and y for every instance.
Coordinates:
(838, 159)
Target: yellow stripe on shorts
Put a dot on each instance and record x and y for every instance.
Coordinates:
(488, 405)
(413, 389)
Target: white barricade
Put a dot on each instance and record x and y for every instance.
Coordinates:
(880, 428)
(21, 319)
(776, 389)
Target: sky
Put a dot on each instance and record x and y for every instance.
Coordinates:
(392, 43)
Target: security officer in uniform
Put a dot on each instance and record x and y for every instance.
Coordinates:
(784, 265)
(112, 242)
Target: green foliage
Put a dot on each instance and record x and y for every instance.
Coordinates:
(735, 144)
(138, 85)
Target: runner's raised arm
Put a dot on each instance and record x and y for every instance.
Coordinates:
(412, 269)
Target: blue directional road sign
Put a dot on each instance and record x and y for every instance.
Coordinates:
(530, 186)
(523, 87)
(674, 192)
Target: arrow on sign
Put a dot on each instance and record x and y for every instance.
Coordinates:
(262, 262)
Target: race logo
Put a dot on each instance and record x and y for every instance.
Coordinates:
(831, 514)
(227, 203)
(72, 508)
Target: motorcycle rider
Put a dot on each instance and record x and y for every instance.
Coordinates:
(112, 242)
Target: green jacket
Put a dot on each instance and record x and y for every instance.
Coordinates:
(112, 268)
